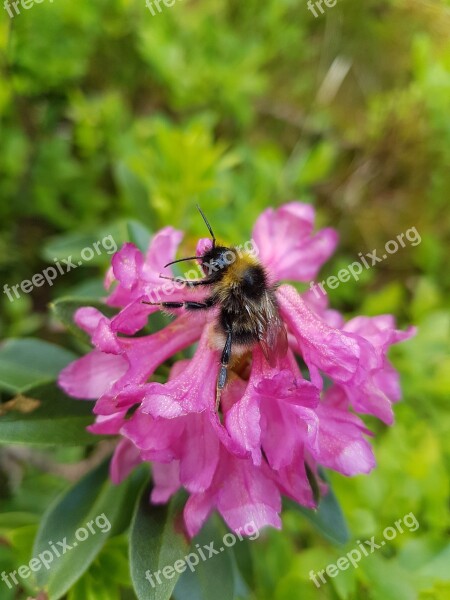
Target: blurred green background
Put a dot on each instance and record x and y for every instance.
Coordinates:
(111, 116)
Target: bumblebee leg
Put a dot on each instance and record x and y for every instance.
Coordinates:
(224, 362)
(189, 282)
(188, 305)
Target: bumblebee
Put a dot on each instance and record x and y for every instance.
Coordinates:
(247, 307)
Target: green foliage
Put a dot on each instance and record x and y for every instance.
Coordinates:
(327, 518)
(29, 362)
(46, 416)
(168, 545)
(91, 498)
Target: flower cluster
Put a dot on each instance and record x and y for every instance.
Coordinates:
(276, 427)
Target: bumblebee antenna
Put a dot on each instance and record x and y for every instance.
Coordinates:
(182, 259)
(207, 225)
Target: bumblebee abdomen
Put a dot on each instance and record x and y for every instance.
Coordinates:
(242, 327)
(240, 292)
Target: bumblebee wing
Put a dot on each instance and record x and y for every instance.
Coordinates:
(271, 332)
(275, 343)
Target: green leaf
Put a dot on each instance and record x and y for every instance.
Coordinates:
(328, 519)
(94, 588)
(133, 191)
(386, 579)
(246, 575)
(314, 484)
(139, 235)
(213, 577)
(21, 540)
(57, 420)
(155, 542)
(108, 574)
(113, 559)
(27, 362)
(14, 520)
(82, 590)
(87, 249)
(93, 504)
(437, 568)
(65, 308)
(125, 516)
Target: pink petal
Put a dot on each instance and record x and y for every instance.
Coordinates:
(294, 483)
(318, 303)
(138, 276)
(87, 318)
(288, 387)
(162, 250)
(267, 387)
(144, 355)
(232, 393)
(109, 278)
(92, 375)
(341, 445)
(287, 245)
(108, 424)
(200, 454)
(166, 481)
(125, 458)
(373, 396)
(277, 425)
(133, 317)
(193, 390)
(375, 393)
(248, 495)
(334, 352)
(242, 493)
(196, 511)
(203, 245)
(154, 437)
(379, 331)
(127, 264)
(105, 339)
(369, 398)
(292, 424)
(242, 420)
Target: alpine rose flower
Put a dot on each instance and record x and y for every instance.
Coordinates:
(275, 428)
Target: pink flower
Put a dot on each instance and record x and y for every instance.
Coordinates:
(275, 428)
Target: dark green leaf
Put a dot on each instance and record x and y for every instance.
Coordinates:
(57, 420)
(139, 235)
(14, 520)
(134, 192)
(65, 308)
(135, 483)
(312, 480)
(90, 248)
(27, 362)
(94, 504)
(213, 577)
(155, 542)
(328, 518)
